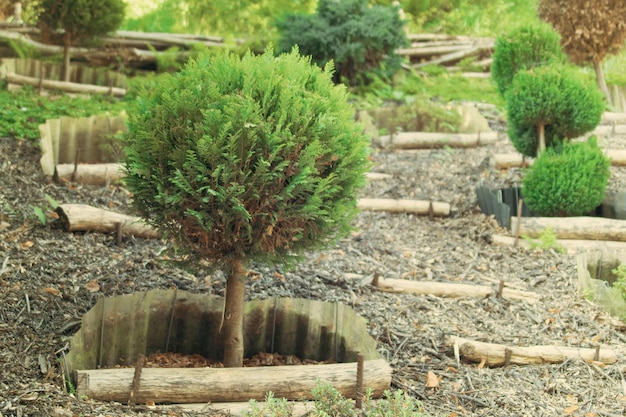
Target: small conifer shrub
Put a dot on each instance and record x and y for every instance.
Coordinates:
(522, 48)
(357, 37)
(549, 104)
(567, 181)
(236, 159)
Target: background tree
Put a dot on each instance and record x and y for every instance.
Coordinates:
(549, 104)
(80, 20)
(522, 48)
(246, 158)
(590, 30)
(356, 37)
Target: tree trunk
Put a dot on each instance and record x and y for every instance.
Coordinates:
(597, 65)
(67, 43)
(233, 315)
(541, 143)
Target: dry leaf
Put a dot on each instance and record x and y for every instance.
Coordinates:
(432, 381)
(92, 286)
(52, 291)
(570, 410)
(591, 414)
(26, 245)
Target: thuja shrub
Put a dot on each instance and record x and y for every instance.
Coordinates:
(522, 48)
(251, 158)
(358, 38)
(567, 181)
(243, 157)
(549, 104)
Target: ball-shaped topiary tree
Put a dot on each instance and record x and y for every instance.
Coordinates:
(567, 181)
(549, 104)
(79, 20)
(522, 48)
(252, 158)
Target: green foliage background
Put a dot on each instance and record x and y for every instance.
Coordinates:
(570, 181)
(251, 157)
(358, 38)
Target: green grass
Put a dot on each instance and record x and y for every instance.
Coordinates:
(22, 112)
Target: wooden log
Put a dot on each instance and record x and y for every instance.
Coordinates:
(609, 130)
(428, 140)
(514, 160)
(94, 174)
(451, 57)
(571, 245)
(193, 385)
(404, 206)
(509, 160)
(583, 228)
(64, 86)
(428, 51)
(450, 289)
(82, 218)
(375, 176)
(494, 354)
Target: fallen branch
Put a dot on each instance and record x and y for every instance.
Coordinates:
(583, 228)
(427, 140)
(193, 385)
(64, 86)
(404, 206)
(82, 218)
(450, 289)
(493, 354)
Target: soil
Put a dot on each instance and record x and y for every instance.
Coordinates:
(49, 278)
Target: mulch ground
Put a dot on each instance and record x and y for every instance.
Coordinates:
(49, 278)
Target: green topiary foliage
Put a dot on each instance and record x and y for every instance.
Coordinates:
(555, 100)
(357, 37)
(246, 158)
(523, 48)
(252, 157)
(570, 181)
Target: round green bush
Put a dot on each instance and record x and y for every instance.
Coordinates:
(556, 97)
(246, 158)
(570, 181)
(523, 48)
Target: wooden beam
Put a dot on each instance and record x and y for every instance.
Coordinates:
(194, 385)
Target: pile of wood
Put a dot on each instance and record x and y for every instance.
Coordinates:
(432, 49)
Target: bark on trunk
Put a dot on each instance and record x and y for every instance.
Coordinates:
(541, 132)
(233, 315)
